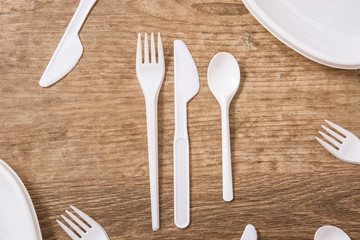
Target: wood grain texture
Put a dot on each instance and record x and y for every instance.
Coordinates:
(83, 140)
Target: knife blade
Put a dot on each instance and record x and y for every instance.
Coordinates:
(186, 87)
(249, 233)
(70, 48)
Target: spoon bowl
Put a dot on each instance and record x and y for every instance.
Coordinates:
(330, 233)
(224, 76)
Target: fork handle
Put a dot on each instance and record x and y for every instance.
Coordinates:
(152, 136)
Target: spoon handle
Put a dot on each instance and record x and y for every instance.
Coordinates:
(226, 155)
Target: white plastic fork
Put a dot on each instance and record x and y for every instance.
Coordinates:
(91, 230)
(150, 75)
(347, 148)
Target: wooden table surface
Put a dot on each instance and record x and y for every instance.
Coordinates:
(83, 140)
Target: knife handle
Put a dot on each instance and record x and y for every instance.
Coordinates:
(79, 16)
(181, 168)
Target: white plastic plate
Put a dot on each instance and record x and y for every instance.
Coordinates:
(325, 31)
(18, 219)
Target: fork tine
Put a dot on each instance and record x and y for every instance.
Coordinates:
(68, 231)
(139, 50)
(76, 228)
(146, 49)
(330, 139)
(338, 128)
(160, 51)
(340, 138)
(153, 53)
(327, 146)
(88, 219)
(77, 220)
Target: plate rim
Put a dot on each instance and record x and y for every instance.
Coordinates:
(14, 177)
(301, 48)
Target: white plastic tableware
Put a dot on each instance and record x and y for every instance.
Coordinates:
(325, 31)
(151, 75)
(249, 233)
(345, 148)
(224, 81)
(186, 87)
(18, 218)
(70, 48)
(90, 229)
(330, 233)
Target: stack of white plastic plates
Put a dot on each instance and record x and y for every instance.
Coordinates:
(18, 220)
(325, 31)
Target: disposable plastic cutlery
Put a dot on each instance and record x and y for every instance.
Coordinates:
(330, 233)
(70, 48)
(224, 81)
(89, 229)
(150, 74)
(249, 233)
(187, 86)
(345, 148)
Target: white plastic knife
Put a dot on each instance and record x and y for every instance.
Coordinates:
(70, 48)
(186, 87)
(249, 233)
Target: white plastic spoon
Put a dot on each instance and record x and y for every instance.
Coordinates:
(224, 81)
(330, 233)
